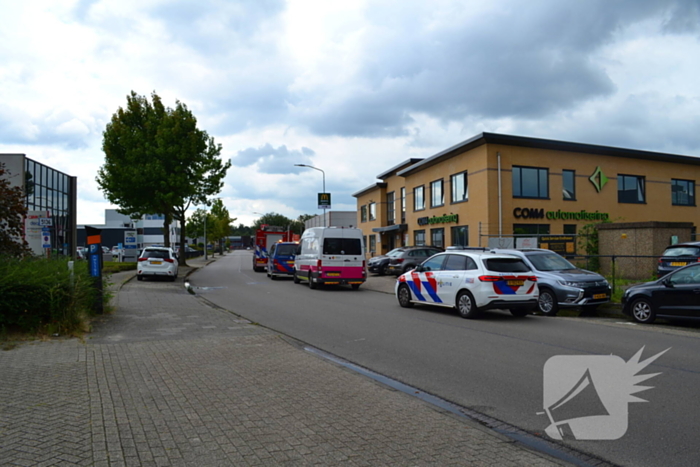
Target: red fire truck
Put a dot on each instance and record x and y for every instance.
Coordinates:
(265, 237)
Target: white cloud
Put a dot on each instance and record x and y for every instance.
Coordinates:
(361, 85)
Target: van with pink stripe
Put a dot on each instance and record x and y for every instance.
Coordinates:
(330, 256)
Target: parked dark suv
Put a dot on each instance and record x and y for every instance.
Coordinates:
(677, 256)
(561, 283)
(409, 258)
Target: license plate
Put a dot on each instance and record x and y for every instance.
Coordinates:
(516, 283)
(599, 296)
(156, 262)
(333, 274)
(678, 264)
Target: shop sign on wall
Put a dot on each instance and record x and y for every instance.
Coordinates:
(438, 219)
(559, 215)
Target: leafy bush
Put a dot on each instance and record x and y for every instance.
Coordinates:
(42, 295)
(109, 267)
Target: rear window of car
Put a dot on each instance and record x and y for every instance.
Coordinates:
(505, 265)
(286, 250)
(682, 251)
(163, 254)
(342, 246)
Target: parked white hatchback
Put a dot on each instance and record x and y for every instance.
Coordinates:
(471, 280)
(157, 262)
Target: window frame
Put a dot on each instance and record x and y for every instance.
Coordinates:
(640, 179)
(441, 183)
(372, 212)
(420, 188)
(573, 183)
(691, 196)
(453, 178)
(390, 208)
(433, 232)
(517, 172)
(416, 234)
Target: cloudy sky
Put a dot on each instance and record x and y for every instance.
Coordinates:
(352, 87)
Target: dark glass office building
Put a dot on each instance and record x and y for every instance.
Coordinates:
(51, 200)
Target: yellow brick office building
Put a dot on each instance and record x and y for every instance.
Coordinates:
(496, 185)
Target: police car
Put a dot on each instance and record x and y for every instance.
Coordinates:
(471, 280)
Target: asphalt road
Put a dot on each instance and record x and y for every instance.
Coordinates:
(493, 365)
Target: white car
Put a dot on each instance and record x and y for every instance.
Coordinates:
(471, 280)
(157, 262)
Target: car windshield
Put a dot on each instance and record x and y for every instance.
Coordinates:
(506, 265)
(682, 251)
(286, 250)
(342, 246)
(549, 262)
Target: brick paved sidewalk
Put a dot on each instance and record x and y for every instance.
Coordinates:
(168, 380)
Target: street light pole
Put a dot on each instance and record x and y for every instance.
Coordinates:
(324, 185)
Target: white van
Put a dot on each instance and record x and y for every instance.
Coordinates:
(330, 255)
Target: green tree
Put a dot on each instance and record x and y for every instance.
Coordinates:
(158, 162)
(221, 221)
(12, 213)
(272, 218)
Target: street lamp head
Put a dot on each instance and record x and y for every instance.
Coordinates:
(300, 165)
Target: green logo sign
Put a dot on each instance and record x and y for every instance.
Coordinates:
(598, 179)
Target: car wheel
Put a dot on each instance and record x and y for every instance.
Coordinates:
(172, 279)
(382, 270)
(642, 311)
(355, 286)
(406, 269)
(272, 276)
(296, 278)
(139, 278)
(312, 284)
(519, 312)
(466, 306)
(404, 296)
(547, 303)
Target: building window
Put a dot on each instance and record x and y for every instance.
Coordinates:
(437, 196)
(570, 229)
(630, 189)
(437, 237)
(419, 237)
(419, 198)
(372, 211)
(460, 235)
(530, 182)
(372, 244)
(390, 209)
(363, 214)
(568, 178)
(683, 192)
(403, 205)
(530, 229)
(460, 188)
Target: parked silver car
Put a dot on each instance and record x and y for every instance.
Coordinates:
(561, 283)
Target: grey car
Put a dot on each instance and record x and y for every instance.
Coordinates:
(561, 283)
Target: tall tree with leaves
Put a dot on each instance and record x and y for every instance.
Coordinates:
(221, 220)
(158, 162)
(273, 218)
(12, 213)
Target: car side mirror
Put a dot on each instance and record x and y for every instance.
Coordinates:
(667, 282)
(419, 268)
